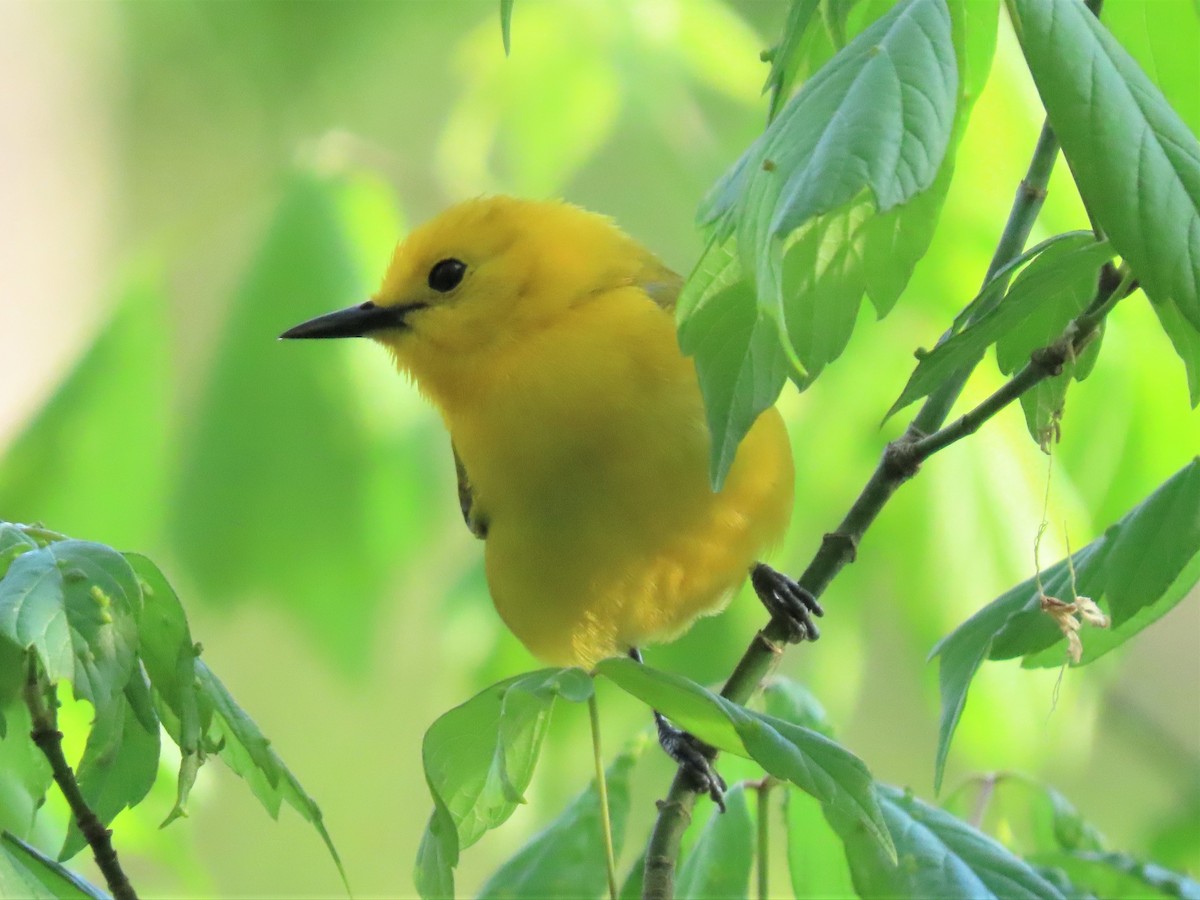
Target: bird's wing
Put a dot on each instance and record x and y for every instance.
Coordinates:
(660, 283)
(476, 521)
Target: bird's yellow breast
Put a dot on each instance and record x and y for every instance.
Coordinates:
(587, 451)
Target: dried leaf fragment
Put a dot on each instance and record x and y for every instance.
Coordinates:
(1070, 617)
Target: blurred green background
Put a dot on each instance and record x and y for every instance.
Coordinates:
(182, 181)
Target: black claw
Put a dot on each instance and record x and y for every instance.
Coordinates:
(787, 602)
(695, 757)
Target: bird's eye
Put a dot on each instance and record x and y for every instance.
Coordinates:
(445, 275)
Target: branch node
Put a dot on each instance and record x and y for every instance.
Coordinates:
(1051, 359)
(767, 645)
(841, 543)
(900, 460)
(44, 735)
(683, 810)
(1032, 191)
(1109, 280)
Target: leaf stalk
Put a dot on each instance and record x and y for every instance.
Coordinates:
(602, 792)
(763, 790)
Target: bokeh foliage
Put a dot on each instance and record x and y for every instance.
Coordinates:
(266, 157)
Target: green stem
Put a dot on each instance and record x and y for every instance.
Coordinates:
(763, 789)
(602, 790)
(48, 738)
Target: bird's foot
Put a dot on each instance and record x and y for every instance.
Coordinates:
(695, 758)
(787, 602)
(693, 755)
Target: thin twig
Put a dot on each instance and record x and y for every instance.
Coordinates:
(48, 738)
(763, 790)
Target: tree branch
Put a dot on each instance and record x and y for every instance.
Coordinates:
(48, 738)
(839, 547)
(923, 437)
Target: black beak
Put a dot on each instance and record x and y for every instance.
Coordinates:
(357, 321)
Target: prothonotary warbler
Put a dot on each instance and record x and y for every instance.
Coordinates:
(545, 337)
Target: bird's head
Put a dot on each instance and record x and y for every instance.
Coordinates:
(482, 276)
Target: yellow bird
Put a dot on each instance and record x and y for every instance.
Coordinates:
(546, 339)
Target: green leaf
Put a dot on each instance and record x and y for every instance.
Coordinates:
(506, 8)
(1133, 565)
(739, 362)
(13, 666)
(1030, 817)
(877, 117)
(248, 753)
(1162, 45)
(705, 714)
(1186, 341)
(1071, 831)
(437, 856)
(1041, 326)
(119, 762)
(878, 253)
(169, 657)
(479, 758)
(782, 55)
(1136, 164)
(809, 760)
(38, 534)
(566, 859)
(816, 860)
(794, 63)
(24, 772)
(789, 700)
(839, 198)
(1099, 642)
(13, 542)
(1056, 267)
(76, 604)
(961, 653)
(1118, 875)
(939, 856)
(277, 483)
(1143, 562)
(93, 460)
(836, 15)
(16, 879)
(719, 863)
(26, 872)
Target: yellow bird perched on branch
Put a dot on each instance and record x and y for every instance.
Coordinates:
(545, 336)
